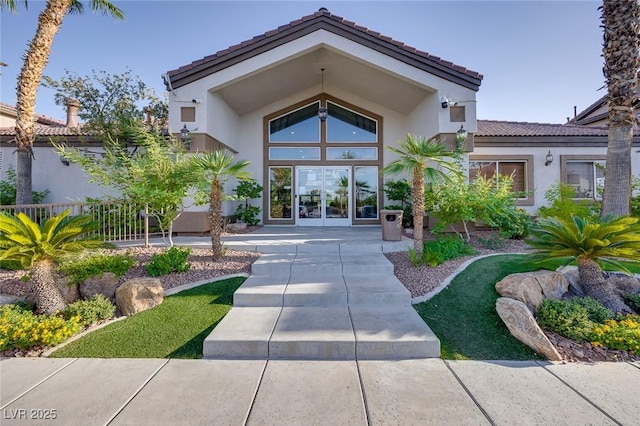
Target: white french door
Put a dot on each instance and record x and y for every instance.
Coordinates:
(323, 195)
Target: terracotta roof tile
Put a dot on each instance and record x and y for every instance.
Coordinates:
(45, 131)
(515, 128)
(41, 119)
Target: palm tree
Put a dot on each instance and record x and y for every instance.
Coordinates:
(621, 63)
(593, 244)
(416, 154)
(36, 247)
(35, 60)
(219, 166)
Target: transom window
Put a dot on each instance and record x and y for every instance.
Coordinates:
(301, 125)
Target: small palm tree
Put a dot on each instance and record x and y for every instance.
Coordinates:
(593, 244)
(36, 247)
(416, 154)
(219, 166)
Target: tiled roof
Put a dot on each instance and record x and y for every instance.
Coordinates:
(324, 20)
(40, 119)
(44, 131)
(514, 128)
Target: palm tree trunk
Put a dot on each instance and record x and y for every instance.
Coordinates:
(35, 60)
(215, 218)
(49, 299)
(621, 63)
(418, 208)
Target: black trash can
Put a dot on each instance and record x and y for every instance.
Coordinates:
(391, 225)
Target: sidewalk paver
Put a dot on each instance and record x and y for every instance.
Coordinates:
(189, 392)
(309, 393)
(18, 375)
(524, 393)
(595, 382)
(87, 392)
(419, 392)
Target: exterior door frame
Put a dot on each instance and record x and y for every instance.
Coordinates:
(314, 209)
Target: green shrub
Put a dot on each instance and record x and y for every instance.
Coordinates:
(436, 252)
(98, 308)
(633, 300)
(595, 310)
(494, 242)
(513, 223)
(9, 188)
(245, 191)
(567, 318)
(78, 269)
(21, 328)
(10, 265)
(172, 260)
(562, 203)
(400, 190)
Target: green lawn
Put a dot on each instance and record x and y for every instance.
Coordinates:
(174, 329)
(464, 318)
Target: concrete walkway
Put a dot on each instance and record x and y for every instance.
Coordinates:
(349, 391)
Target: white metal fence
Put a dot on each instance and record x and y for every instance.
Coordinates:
(117, 221)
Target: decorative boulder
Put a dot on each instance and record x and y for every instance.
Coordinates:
(523, 326)
(235, 227)
(624, 284)
(531, 288)
(105, 285)
(139, 294)
(70, 292)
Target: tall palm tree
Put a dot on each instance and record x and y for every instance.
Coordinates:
(36, 247)
(219, 166)
(417, 154)
(35, 60)
(620, 20)
(593, 244)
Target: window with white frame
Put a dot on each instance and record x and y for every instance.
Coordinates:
(586, 176)
(492, 168)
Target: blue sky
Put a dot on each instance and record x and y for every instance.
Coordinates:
(538, 58)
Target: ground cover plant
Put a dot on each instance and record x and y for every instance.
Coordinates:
(174, 329)
(89, 264)
(174, 259)
(436, 252)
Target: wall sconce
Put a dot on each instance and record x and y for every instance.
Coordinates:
(322, 111)
(461, 135)
(64, 161)
(549, 158)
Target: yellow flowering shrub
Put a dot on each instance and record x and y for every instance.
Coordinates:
(622, 334)
(21, 328)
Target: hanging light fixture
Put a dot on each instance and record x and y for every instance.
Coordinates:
(461, 134)
(322, 111)
(549, 159)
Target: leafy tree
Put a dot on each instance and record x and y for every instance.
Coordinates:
(109, 103)
(593, 243)
(158, 174)
(8, 189)
(35, 60)
(400, 190)
(562, 203)
(621, 63)
(38, 246)
(245, 191)
(417, 154)
(219, 166)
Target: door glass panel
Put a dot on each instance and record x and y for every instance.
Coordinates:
(301, 125)
(309, 193)
(366, 192)
(337, 191)
(344, 125)
(280, 194)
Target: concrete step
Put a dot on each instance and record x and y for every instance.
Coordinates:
(242, 334)
(274, 264)
(316, 290)
(316, 263)
(392, 333)
(371, 263)
(261, 290)
(322, 333)
(376, 290)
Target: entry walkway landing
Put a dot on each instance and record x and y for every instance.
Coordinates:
(321, 294)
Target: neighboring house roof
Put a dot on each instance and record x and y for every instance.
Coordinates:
(44, 131)
(515, 128)
(40, 119)
(586, 117)
(323, 20)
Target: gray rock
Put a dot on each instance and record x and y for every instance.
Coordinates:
(7, 299)
(522, 325)
(531, 288)
(105, 285)
(624, 284)
(571, 274)
(70, 292)
(139, 294)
